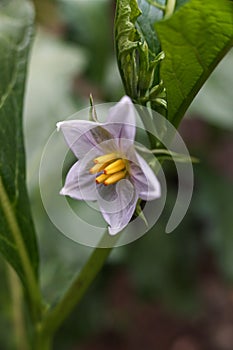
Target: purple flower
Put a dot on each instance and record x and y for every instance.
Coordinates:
(109, 169)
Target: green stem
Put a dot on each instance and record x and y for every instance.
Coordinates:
(174, 155)
(148, 123)
(17, 310)
(170, 8)
(42, 341)
(156, 4)
(74, 294)
(33, 289)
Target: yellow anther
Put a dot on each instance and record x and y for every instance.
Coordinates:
(97, 168)
(114, 167)
(100, 179)
(106, 158)
(115, 178)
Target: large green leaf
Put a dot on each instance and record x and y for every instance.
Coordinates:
(17, 236)
(194, 40)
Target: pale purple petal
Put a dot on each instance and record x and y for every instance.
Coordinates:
(80, 184)
(121, 121)
(117, 204)
(89, 140)
(145, 181)
(82, 135)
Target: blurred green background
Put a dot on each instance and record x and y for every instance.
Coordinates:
(163, 291)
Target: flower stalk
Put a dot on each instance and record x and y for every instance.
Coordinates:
(56, 316)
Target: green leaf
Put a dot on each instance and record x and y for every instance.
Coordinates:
(180, 3)
(17, 236)
(194, 40)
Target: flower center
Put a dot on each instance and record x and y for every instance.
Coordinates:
(112, 169)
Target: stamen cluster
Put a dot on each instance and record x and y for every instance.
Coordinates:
(112, 168)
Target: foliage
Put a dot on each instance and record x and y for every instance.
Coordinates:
(192, 55)
(196, 36)
(165, 52)
(18, 241)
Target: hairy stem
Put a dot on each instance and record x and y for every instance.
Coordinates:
(32, 286)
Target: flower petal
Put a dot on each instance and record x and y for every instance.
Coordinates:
(80, 184)
(144, 179)
(117, 204)
(82, 135)
(121, 121)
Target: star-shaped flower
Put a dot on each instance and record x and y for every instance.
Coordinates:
(109, 170)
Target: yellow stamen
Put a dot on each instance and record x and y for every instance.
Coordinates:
(114, 167)
(97, 168)
(100, 179)
(115, 178)
(106, 158)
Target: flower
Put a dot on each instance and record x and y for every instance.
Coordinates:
(109, 169)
